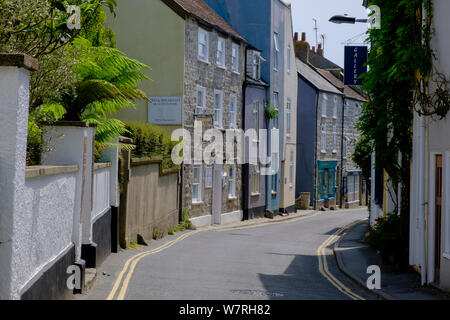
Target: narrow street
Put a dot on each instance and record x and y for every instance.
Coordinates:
(274, 261)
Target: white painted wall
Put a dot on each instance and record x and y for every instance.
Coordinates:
(101, 201)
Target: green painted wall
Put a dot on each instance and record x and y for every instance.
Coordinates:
(151, 32)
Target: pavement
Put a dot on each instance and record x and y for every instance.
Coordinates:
(354, 257)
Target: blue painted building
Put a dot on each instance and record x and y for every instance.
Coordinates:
(261, 22)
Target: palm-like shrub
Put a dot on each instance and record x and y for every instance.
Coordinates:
(106, 84)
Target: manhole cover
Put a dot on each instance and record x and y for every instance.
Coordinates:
(258, 293)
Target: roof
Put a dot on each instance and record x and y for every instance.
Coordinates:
(348, 91)
(311, 75)
(321, 62)
(200, 10)
(254, 82)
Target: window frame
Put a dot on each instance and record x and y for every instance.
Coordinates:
(199, 56)
(291, 169)
(323, 141)
(335, 107)
(221, 63)
(288, 117)
(203, 107)
(256, 72)
(233, 115)
(209, 177)
(235, 58)
(219, 123)
(334, 138)
(324, 105)
(199, 184)
(256, 105)
(232, 182)
(276, 47)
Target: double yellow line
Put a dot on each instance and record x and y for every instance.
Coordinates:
(323, 264)
(131, 263)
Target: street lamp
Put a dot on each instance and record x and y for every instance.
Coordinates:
(346, 19)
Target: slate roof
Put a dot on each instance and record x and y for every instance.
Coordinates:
(311, 75)
(348, 91)
(200, 10)
(321, 62)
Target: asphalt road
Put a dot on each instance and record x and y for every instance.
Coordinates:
(276, 261)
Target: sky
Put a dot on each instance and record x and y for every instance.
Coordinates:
(303, 12)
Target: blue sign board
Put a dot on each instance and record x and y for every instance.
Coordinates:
(355, 60)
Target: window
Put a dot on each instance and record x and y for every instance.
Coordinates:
(289, 59)
(276, 51)
(276, 103)
(274, 172)
(255, 179)
(232, 182)
(291, 169)
(324, 138)
(335, 107)
(235, 58)
(221, 52)
(218, 101)
(197, 184)
(208, 177)
(201, 100)
(256, 117)
(233, 102)
(288, 118)
(203, 45)
(334, 139)
(256, 65)
(324, 105)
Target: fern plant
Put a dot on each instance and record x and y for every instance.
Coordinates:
(107, 81)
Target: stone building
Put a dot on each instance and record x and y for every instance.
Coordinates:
(197, 68)
(354, 185)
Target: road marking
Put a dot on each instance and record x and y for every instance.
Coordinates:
(323, 264)
(133, 261)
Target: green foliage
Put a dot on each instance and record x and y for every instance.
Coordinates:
(362, 156)
(151, 141)
(386, 238)
(271, 111)
(39, 28)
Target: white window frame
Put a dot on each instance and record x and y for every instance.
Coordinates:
(201, 33)
(256, 105)
(291, 169)
(232, 182)
(218, 123)
(208, 177)
(324, 105)
(288, 117)
(221, 52)
(324, 138)
(201, 108)
(334, 138)
(255, 173)
(233, 117)
(335, 107)
(276, 47)
(235, 58)
(197, 199)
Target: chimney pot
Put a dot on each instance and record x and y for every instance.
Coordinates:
(313, 49)
(296, 37)
(303, 36)
(320, 46)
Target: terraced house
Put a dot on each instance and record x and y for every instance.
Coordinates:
(198, 72)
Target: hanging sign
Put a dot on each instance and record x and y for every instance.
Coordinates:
(355, 60)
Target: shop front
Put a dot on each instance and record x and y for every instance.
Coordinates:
(326, 185)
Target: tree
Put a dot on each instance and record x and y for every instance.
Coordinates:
(400, 62)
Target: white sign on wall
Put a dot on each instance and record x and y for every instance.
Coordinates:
(165, 110)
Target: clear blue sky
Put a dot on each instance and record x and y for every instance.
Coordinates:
(303, 12)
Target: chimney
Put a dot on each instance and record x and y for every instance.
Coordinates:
(313, 49)
(301, 48)
(320, 50)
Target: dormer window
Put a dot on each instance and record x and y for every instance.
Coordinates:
(256, 66)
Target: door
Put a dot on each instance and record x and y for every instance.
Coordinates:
(217, 194)
(437, 210)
